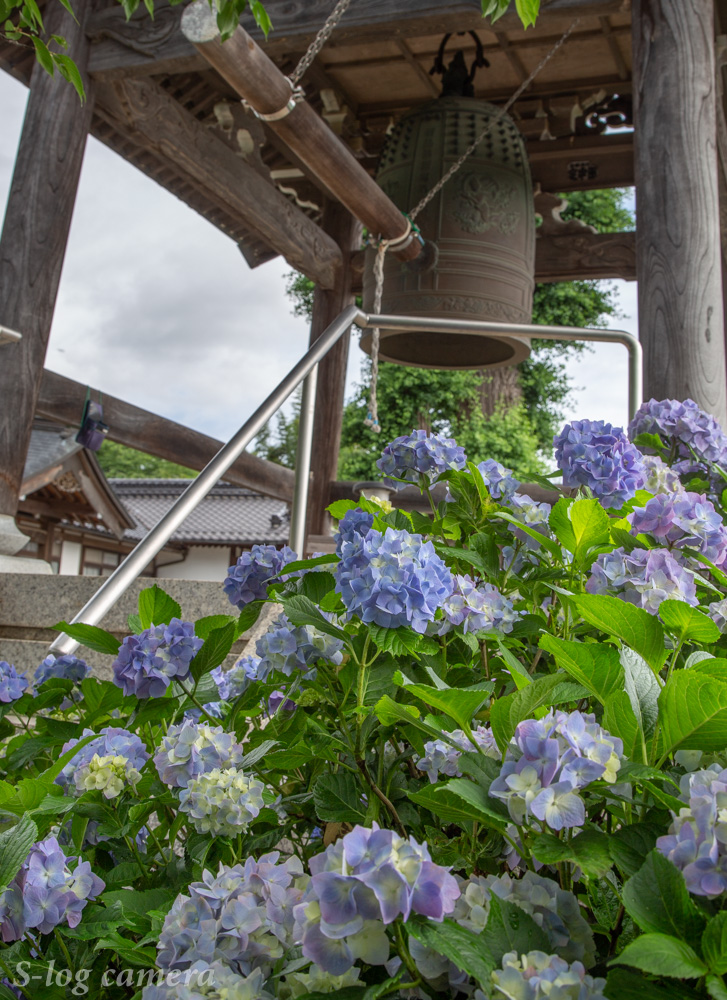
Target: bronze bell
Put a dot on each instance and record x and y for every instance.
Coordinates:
(480, 231)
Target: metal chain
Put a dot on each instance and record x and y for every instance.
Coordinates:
(319, 41)
(488, 128)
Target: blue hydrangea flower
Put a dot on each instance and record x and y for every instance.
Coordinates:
(209, 981)
(532, 513)
(549, 762)
(286, 648)
(537, 976)
(46, 893)
(69, 668)
(354, 524)
(682, 426)
(498, 480)
(242, 917)
(658, 476)
(147, 663)
(644, 577)
(594, 454)
(222, 803)
(279, 701)
(194, 748)
(361, 883)
(111, 742)
(419, 454)
(440, 757)
(233, 682)
(395, 579)
(248, 580)
(683, 521)
(12, 684)
(476, 609)
(697, 838)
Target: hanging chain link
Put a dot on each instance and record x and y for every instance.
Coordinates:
(319, 41)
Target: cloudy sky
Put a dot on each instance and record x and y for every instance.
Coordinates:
(158, 307)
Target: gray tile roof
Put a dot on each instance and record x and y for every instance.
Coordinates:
(49, 445)
(229, 515)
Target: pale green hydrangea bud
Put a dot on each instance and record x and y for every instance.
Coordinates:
(109, 775)
(315, 980)
(222, 802)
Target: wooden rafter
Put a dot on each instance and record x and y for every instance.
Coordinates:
(621, 67)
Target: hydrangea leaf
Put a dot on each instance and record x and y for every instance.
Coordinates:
(337, 798)
(662, 955)
(302, 611)
(619, 720)
(248, 616)
(347, 993)
(316, 585)
(156, 607)
(693, 713)
(15, 845)
(450, 808)
(634, 626)
(716, 987)
(657, 899)
(595, 666)
(480, 802)
(204, 626)
(626, 985)
(299, 564)
(214, 651)
(454, 702)
(688, 624)
(507, 712)
(589, 850)
(510, 928)
(547, 543)
(643, 689)
(459, 944)
(714, 944)
(97, 639)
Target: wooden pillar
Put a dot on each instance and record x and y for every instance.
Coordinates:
(327, 304)
(677, 203)
(34, 236)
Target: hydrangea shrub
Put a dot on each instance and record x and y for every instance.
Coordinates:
(478, 753)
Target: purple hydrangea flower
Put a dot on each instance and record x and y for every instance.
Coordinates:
(549, 762)
(209, 981)
(683, 521)
(279, 701)
(697, 838)
(594, 454)
(286, 648)
(681, 426)
(354, 524)
(191, 749)
(498, 480)
(233, 682)
(440, 757)
(644, 577)
(69, 668)
(111, 742)
(532, 513)
(46, 893)
(396, 579)
(248, 580)
(222, 803)
(536, 976)
(242, 917)
(718, 613)
(147, 663)
(659, 477)
(476, 609)
(12, 684)
(418, 454)
(361, 883)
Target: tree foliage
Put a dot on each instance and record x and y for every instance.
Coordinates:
(460, 403)
(119, 462)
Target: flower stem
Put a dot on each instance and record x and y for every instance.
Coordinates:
(391, 808)
(193, 698)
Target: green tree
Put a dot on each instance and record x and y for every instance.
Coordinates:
(510, 414)
(119, 462)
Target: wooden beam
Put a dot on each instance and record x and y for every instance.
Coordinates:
(327, 305)
(150, 117)
(582, 163)
(585, 256)
(425, 78)
(61, 399)
(142, 47)
(33, 241)
(244, 65)
(616, 54)
(678, 239)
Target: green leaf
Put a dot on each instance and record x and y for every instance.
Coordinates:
(446, 806)
(204, 626)
(299, 564)
(249, 615)
(461, 946)
(629, 846)
(693, 713)
(397, 641)
(316, 585)
(527, 11)
(134, 623)
(43, 55)
(511, 929)
(69, 72)
(547, 543)
(595, 666)
(52, 772)
(716, 987)
(662, 955)
(560, 524)
(622, 984)
(589, 850)
(15, 845)
(507, 712)
(656, 897)
(339, 508)
(686, 623)
(479, 802)
(714, 944)
(214, 651)
(337, 798)
(156, 607)
(302, 611)
(642, 688)
(91, 636)
(634, 626)
(619, 720)
(457, 704)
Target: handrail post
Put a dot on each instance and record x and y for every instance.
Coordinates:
(299, 509)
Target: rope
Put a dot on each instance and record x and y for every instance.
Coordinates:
(488, 128)
(372, 420)
(319, 41)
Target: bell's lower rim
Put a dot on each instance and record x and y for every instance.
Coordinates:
(463, 351)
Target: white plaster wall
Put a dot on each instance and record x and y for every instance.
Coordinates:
(70, 562)
(203, 562)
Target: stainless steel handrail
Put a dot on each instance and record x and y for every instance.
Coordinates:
(307, 368)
